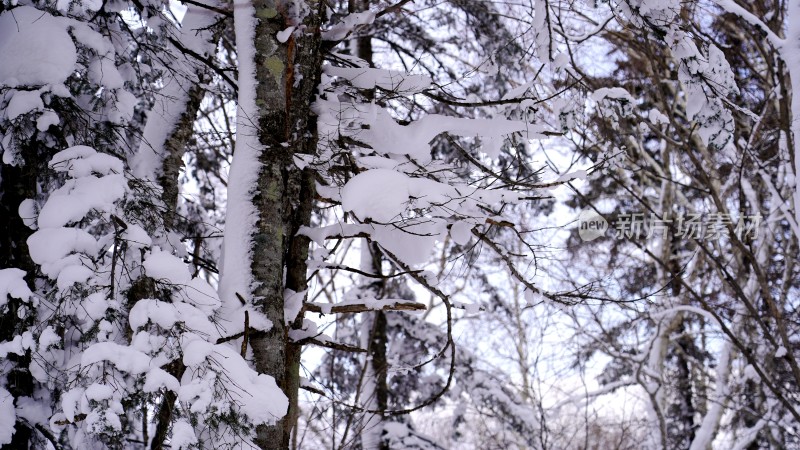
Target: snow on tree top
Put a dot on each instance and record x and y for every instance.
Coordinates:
(35, 48)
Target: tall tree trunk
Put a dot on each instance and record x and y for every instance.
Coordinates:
(374, 388)
(175, 149)
(170, 123)
(268, 197)
(379, 365)
(169, 128)
(18, 183)
(296, 279)
(376, 396)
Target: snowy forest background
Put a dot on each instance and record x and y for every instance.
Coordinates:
(353, 224)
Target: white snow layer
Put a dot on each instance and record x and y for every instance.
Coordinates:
(71, 202)
(7, 416)
(343, 28)
(183, 436)
(54, 246)
(261, 398)
(23, 102)
(103, 72)
(242, 215)
(377, 194)
(391, 80)
(12, 284)
(35, 48)
(391, 197)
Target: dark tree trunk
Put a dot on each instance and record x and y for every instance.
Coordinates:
(175, 149)
(378, 346)
(284, 193)
(18, 183)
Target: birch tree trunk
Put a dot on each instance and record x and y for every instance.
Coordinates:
(268, 197)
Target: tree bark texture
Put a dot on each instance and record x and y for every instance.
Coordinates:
(175, 149)
(287, 74)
